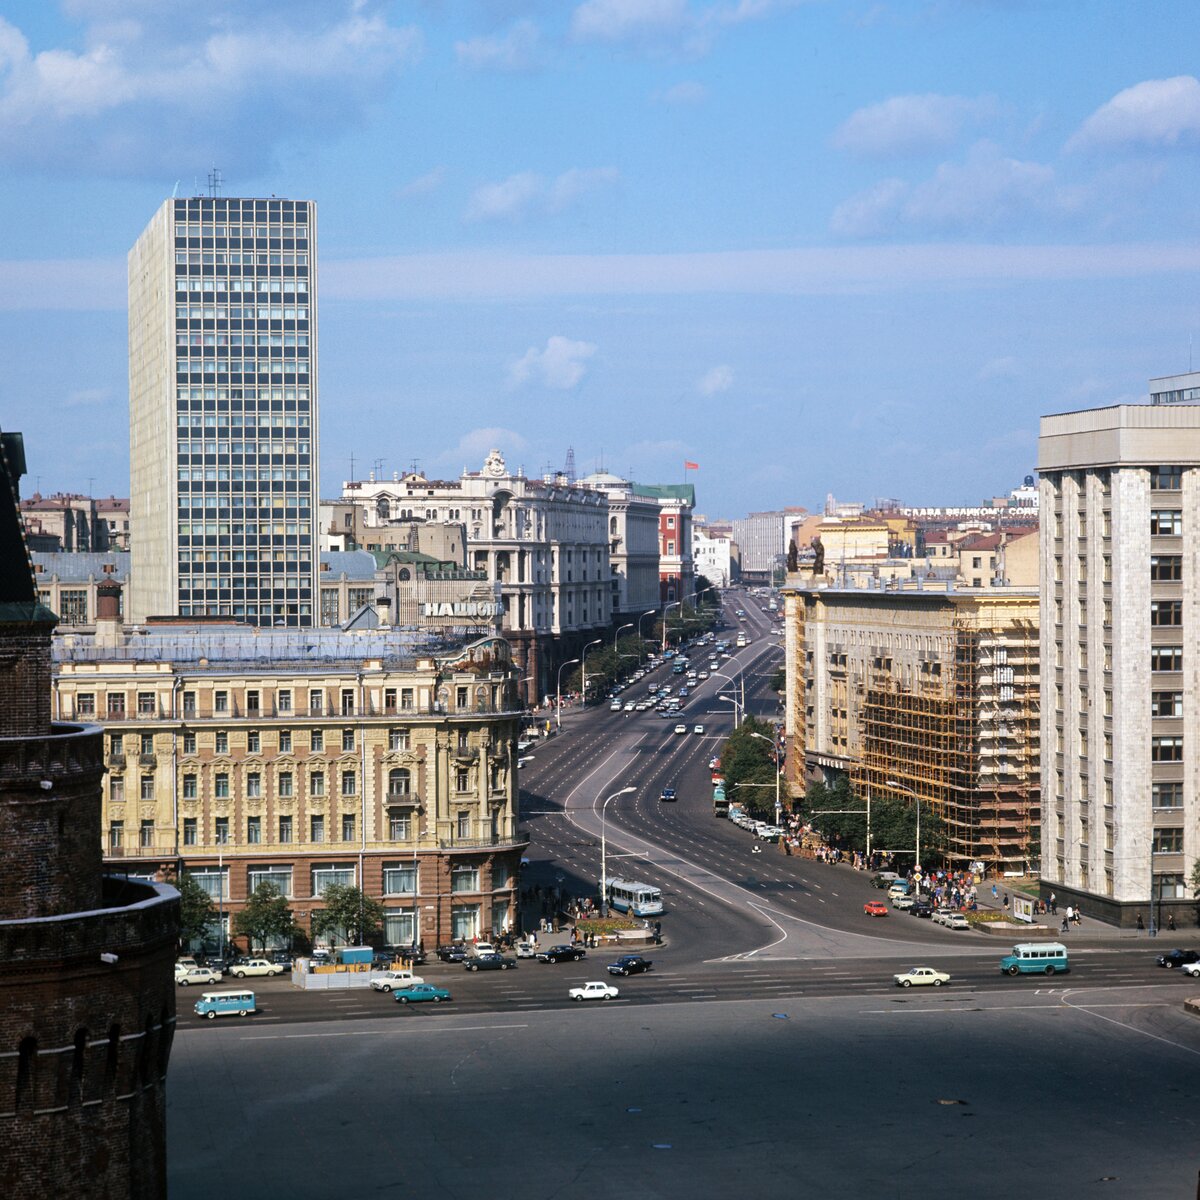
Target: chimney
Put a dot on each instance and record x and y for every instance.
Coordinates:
(110, 631)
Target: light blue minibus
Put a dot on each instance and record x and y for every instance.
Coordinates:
(1035, 958)
(225, 1004)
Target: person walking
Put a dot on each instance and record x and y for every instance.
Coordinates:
(1171, 922)
(1054, 904)
(1141, 925)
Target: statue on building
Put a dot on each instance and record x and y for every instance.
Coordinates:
(793, 558)
(818, 549)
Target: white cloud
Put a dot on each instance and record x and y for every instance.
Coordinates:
(424, 184)
(527, 192)
(715, 380)
(561, 365)
(518, 49)
(169, 86)
(1156, 113)
(987, 190)
(628, 20)
(88, 397)
(905, 125)
(474, 447)
(686, 93)
(1005, 367)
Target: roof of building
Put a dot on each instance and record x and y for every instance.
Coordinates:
(81, 566)
(354, 564)
(667, 491)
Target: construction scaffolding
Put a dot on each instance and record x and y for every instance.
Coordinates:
(964, 738)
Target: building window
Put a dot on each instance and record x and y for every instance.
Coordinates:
(254, 786)
(220, 702)
(145, 704)
(285, 828)
(399, 781)
(399, 928)
(501, 875)
(399, 827)
(147, 745)
(222, 826)
(189, 704)
(221, 785)
(116, 789)
(190, 787)
(316, 783)
(116, 834)
(464, 878)
(463, 824)
(85, 704)
(341, 874)
(72, 607)
(285, 741)
(116, 706)
(399, 879)
(462, 780)
(1166, 704)
(389, 700)
(253, 742)
(1166, 612)
(398, 739)
(146, 835)
(222, 742)
(464, 922)
(278, 877)
(1166, 749)
(347, 741)
(347, 827)
(316, 740)
(1167, 793)
(316, 829)
(1171, 887)
(316, 702)
(1166, 658)
(253, 830)
(189, 831)
(406, 698)
(214, 880)
(283, 700)
(347, 783)
(285, 784)
(1166, 568)
(189, 743)
(1166, 522)
(1166, 479)
(347, 702)
(1167, 841)
(146, 787)
(329, 606)
(253, 707)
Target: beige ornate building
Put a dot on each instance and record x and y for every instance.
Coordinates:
(308, 758)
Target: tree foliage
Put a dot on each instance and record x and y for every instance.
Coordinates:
(196, 910)
(348, 910)
(893, 820)
(265, 916)
(748, 764)
(1196, 879)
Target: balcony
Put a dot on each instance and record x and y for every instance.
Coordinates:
(116, 762)
(147, 760)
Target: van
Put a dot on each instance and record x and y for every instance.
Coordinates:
(1035, 958)
(224, 1004)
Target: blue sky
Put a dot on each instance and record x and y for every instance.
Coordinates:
(815, 247)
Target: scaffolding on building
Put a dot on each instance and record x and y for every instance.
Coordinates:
(964, 739)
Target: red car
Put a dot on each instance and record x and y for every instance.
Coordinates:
(875, 908)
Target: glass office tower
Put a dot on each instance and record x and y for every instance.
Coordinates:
(223, 411)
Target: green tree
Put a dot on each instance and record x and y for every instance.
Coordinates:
(748, 764)
(1196, 879)
(266, 915)
(196, 911)
(349, 911)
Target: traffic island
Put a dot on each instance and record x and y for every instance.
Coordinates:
(1192, 1006)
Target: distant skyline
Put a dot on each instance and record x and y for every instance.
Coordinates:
(813, 247)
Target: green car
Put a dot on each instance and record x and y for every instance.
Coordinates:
(421, 991)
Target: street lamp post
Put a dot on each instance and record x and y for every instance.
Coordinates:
(641, 644)
(899, 787)
(762, 737)
(674, 604)
(604, 850)
(739, 683)
(558, 705)
(583, 669)
(617, 635)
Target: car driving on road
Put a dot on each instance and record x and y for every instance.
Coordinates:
(489, 962)
(921, 977)
(255, 966)
(557, 954)
(392, 980)
(875, 908)
(1178, 958)
(419, 992)
(667, 794)
(593, 991)
(629, 964)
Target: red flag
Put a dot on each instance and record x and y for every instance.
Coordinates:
(690, 466)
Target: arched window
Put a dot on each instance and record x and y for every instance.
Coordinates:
(399, 781)
(404, 573)
(26, 1070)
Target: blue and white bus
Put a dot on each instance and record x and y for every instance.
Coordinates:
(637, 899)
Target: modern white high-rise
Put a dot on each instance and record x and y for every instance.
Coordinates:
(223, 411)
(1120, 615)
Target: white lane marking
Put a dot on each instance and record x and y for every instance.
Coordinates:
(278, 1037)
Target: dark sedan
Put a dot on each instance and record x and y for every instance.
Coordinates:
(629, 964)
(921, 908)
(1178, 958)
(452, 954)
(489, 962)
(557, 954)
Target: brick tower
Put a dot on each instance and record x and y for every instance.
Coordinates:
(87, 1003)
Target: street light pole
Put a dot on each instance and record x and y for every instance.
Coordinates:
(674, 604)
(583, 669)
(762, 737)
(617, 635)
(558, 705)
(740, 684)
(604, 850)
(641, 644)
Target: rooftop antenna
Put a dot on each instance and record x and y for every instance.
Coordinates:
(352, 467)
(378, 464)
(569, 470)
(414, 467)
(215, 179)
(175, 190)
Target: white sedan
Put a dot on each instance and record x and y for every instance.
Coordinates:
(921, 977)
(681, 729)
(1192, 969)
(593, 991)
(255, 966)
(903, 901)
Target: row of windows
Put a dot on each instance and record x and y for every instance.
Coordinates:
(243, 392)
(239, 312)
(239, 258)
(209, 283)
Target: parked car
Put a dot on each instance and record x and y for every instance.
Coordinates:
(1178, 958)
(526, 949)
(875, 908)
(956, 920)
(902, 902)
(419, 992)
(921, 977)
(254, 966)
(921, 908)
(192, 975)
(557, 954)
(940, 914)
(391, 980)
(452, 954)
(489, 962)
(629, 964)
(593, 991)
